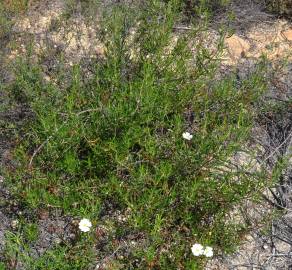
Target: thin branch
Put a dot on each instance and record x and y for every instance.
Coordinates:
(277, 149)
(38, 150)
(182, 28)
(89, 110)
(51, 136)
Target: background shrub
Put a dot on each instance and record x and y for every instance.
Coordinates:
(283, 7)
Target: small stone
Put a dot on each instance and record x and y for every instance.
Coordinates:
(14, 224)
(75, 204)
(72, 235)
(57, 241)
(75, 222)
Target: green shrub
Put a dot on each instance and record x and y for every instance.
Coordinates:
(282, 7)
(5, 24)
(204, 7)
(18, 252)
(16, 6)
(113, 140)
(9, 9)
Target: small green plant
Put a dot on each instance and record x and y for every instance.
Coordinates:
(204, 8)
(2, 266)
(16, 6)
(17, 252)
(5, 23)
(282, 7)
(30, 232)
(150, 132)
(13, 248)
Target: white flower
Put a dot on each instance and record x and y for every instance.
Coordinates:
(197, 249)
(208, 252)
(85, 225)
(188, 136)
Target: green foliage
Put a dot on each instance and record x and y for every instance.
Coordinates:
(204, 8)
(5, 23)
(282, 7)
(17, 250)
(30, 232)
(113, 140)
(15, 6)
(8, 9)
(2, 266)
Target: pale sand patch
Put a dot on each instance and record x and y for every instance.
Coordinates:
(237, 47)
(288, 34)
(274, 42)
